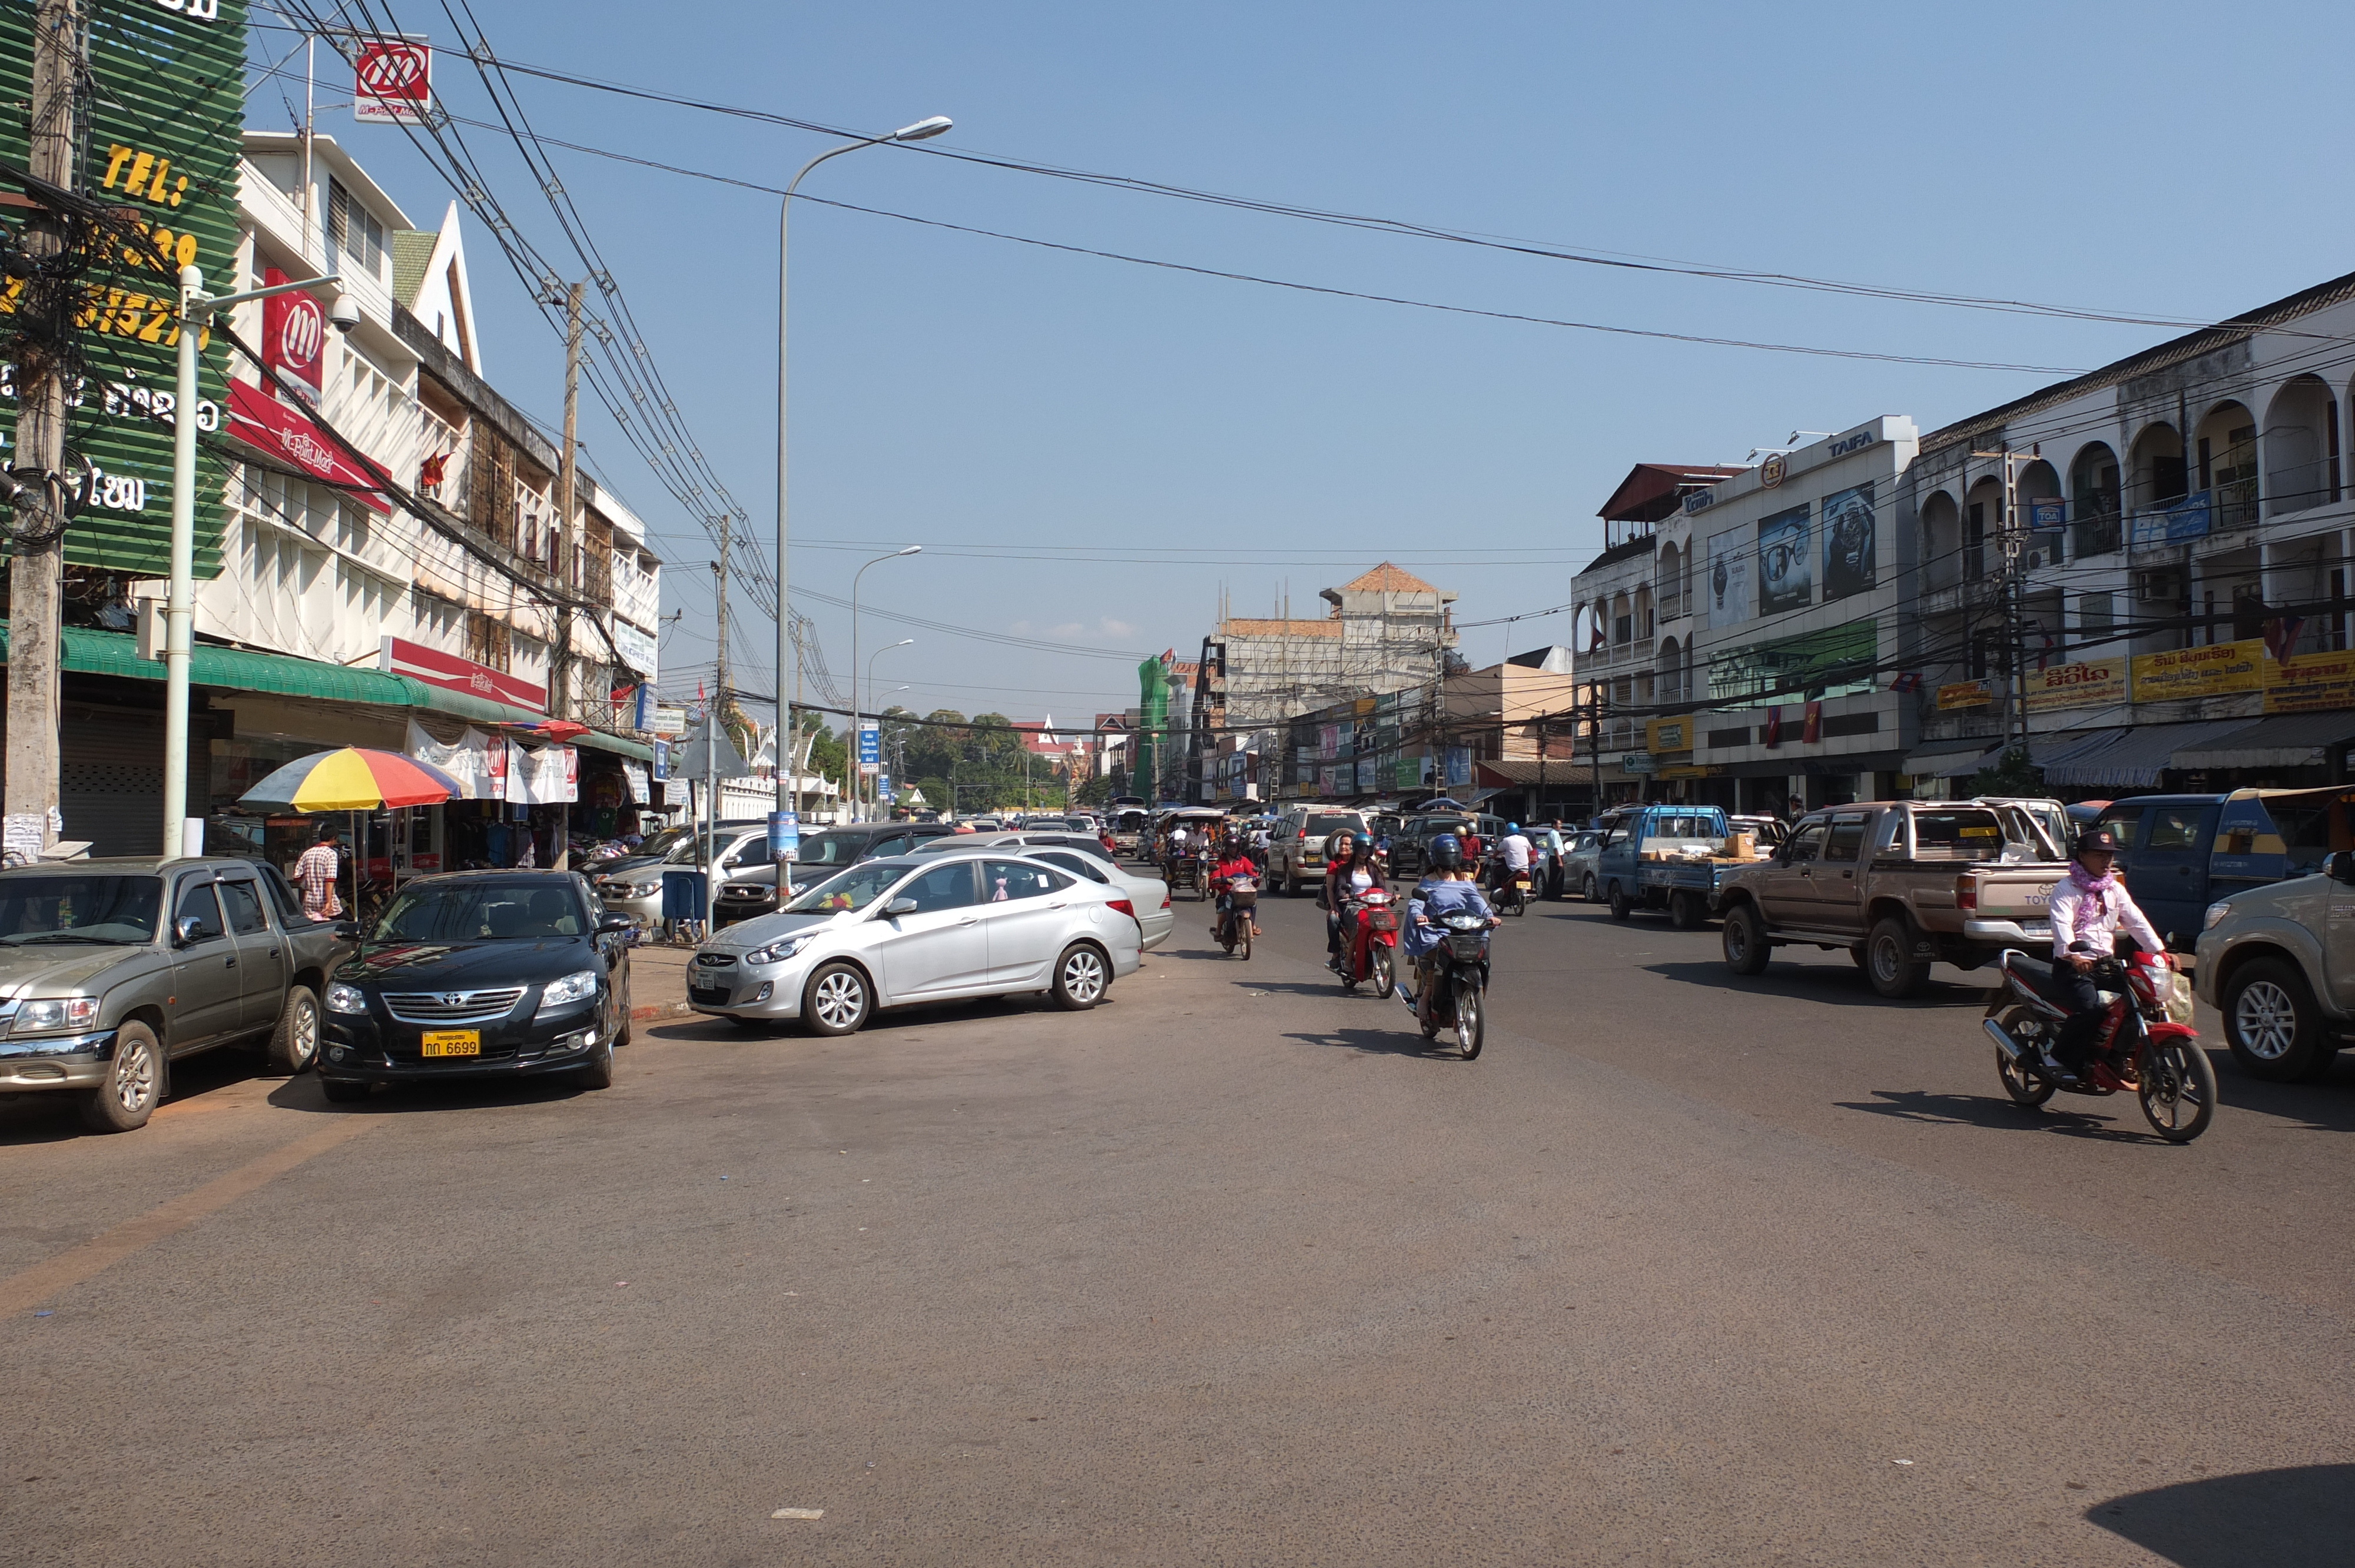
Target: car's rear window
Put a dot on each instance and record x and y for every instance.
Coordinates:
(1958, 835)
(1333, 822)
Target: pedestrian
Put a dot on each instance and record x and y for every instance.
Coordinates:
(315, 874)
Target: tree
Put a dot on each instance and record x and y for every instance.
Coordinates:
(1096, 791)
(2012, 774)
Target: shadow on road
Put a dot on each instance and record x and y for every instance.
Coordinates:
(2300, 1517)
(53, 1115)
(303, 1094)
(1402, 1042)
(2000, 1113)
(1818, 982)
(2325, 1107)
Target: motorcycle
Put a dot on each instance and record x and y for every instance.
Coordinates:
(1236, 907)
(1512, 896)
(1456, 994)
(1370, 953)
(2138, 1047)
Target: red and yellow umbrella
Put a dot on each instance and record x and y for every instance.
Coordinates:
(353, 780)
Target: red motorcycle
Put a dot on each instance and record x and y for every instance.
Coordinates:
(2138, 1047)
(1370, 924)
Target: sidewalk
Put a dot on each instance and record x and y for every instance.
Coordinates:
(658, 982)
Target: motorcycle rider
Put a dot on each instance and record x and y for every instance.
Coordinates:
(1232, 862)
(2088, 905)
(1514, 852)
(1448, 887)
(1350, 871)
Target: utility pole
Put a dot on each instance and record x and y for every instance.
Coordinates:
(2012, 538)
(721, 673)
(559, 685)
(36, 571)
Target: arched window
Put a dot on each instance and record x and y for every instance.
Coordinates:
(1942, 542)
(2156, 468)
(2301, 447)
(2038, 481)
(2094, 500)
(2225, 449)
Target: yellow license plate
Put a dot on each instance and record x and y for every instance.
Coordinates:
(454, 1043)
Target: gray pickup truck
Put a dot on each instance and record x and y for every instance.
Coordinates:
(1898, 884)
(113, 970)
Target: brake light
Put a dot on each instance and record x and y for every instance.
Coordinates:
(1967, 892)
(1165, 900)
(1124, 905)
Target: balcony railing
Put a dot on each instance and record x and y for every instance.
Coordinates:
(2096, 527)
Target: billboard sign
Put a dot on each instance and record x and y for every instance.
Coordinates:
(293, 336)
(161, 127)
(398, 656)
(392, 82)
(1786, 575)
(1850, 565)
(286, 435)
(1730, 593)
(871, 744)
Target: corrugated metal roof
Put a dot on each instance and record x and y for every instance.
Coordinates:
(2286, 740)
(2133, 759)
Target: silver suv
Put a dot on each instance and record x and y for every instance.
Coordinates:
(1295, 850)
(2279, 961)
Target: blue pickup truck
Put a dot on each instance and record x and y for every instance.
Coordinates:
(2183, 852)
(1652, 858)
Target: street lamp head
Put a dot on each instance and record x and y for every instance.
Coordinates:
(903, 642)
(911, 550)
(923, 130)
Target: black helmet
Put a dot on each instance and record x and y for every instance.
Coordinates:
(2095, 838)
(1362, 843)
(1446, 851)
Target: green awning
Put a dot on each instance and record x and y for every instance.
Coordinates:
(90, 651)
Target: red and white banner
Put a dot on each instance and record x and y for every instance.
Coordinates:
(392, 82)
(278, 432)
(294, 336)
(419, 662)
(548, 776)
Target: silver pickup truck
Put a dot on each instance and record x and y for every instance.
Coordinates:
(113, 970)
(1899, 884)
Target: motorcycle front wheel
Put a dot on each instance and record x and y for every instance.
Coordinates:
(1471, 1018)
(2178, 1089)
(1385, 979)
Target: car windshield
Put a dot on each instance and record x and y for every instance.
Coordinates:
(852, 889)
(482, 912)
(666, 840)
(106, 910)
(830, 849)
(1325, 822)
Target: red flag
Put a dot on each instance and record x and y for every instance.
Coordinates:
(2281, 636)
(1814, 730)
(1772, 735)
(430, 472)
(1909, 681)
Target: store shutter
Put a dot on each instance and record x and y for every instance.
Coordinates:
(111, 783)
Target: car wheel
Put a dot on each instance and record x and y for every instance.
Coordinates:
(1889, 961)
(1686, 911)
(345, 1091)
(1589, 893)
(2271, 1025)
(837, 1000)
(1621, 906)
(295, 1043)
(597, 1072)
(622, 1030)
(1082, 978)
(134, 1083)
(1746, 951)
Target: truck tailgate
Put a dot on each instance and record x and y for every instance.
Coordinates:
(2021, 893)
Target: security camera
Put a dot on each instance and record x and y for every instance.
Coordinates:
(344, 314)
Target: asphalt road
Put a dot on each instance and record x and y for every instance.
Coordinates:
(1684, 1269)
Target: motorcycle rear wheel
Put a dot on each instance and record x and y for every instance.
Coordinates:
(1471, 1018)
(2026, 1088)
(2178, 1089)
(1385, 977)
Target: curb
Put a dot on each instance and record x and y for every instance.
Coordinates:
(661, 1010)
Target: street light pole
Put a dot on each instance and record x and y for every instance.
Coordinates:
(855, 709)
(920, 130)
(196, 310)
(903, 642)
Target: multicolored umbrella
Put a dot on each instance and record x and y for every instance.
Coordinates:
(353, 780)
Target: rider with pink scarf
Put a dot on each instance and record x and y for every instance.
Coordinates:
(2088, 907)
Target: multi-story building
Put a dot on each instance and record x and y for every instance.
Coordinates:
(1636, 609)
(1387, 629)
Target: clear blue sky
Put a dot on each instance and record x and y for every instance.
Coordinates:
(994, 400)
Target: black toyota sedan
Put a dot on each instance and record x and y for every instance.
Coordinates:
(480, 974)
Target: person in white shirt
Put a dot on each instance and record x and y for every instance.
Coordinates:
(2087, 907)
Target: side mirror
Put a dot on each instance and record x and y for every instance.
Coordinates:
(898, 906)
(612, 925)
(2341, 867)
(346, 931)
(185, 929)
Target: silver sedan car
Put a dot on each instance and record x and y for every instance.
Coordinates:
(1149, 896)
(905, 930)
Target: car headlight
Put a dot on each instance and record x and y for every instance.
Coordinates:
(640, 889)
(778, 952)
(56, 1012)
(564, 993)
(2215, 915)
(342, 998)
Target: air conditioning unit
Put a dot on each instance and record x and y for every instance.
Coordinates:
(2160, 585)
